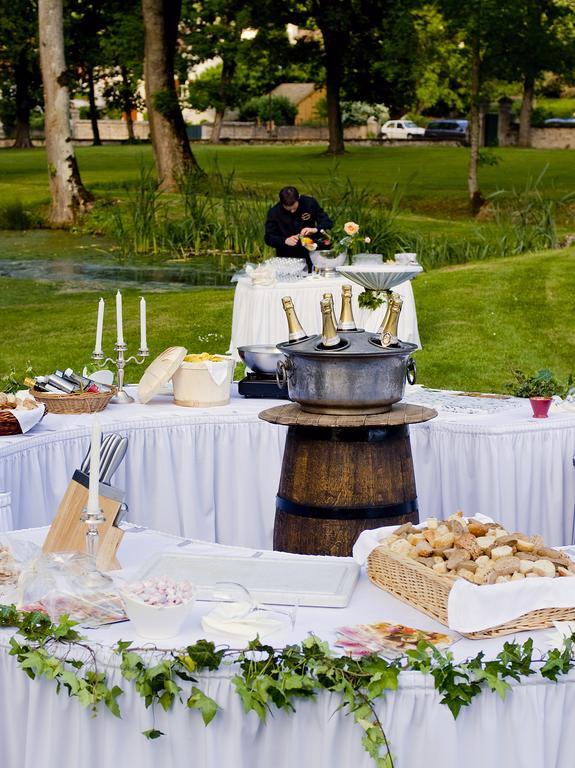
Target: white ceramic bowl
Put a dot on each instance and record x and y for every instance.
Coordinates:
(368, 258)
(156, 622)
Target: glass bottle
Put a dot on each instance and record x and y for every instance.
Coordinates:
(388, 329)
(329, 337)
(346, 320)
(295, 330)
(329, 297)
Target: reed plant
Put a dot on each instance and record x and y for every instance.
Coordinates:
(215, 214)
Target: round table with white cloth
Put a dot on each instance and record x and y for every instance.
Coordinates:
(258, 315)
(530, 727)
(213, 473)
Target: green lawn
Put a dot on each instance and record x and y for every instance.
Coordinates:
(476, 321)
(431, 179)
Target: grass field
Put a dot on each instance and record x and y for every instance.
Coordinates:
(432, 180)
(477, 321)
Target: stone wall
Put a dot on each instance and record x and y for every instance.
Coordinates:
(110, 130)
(553, 138)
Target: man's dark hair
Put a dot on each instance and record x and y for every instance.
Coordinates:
(289, 195)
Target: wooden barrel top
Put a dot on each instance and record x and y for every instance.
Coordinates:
(400, 413)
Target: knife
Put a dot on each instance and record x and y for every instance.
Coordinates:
(115, 459)
(112, 451)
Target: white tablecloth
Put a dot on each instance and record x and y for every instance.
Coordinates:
(213, 473)
(258, 315)
(530, 728)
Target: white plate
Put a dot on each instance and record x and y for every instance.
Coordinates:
(159, 372)
(313, 581)
(380, 277)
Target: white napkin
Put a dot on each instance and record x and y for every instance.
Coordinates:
(263, 274)
(218, 370)
(471, 608)
(234, 619)
(558, 404)
(28, 418)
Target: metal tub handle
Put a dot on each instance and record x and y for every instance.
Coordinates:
(284, 371)
(411, 371)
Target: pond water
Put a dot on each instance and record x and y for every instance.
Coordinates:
(81, 263)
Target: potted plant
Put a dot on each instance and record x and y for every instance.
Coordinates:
(540, 388)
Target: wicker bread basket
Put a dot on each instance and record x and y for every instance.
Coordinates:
(427, 591)
(9, 424)
(81, 402)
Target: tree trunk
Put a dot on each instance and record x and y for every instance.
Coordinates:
(68, 195)
(93, 109)
(228, 72)
(128, 105)
(526, 112)
(334, 47)
(217, 126)
(22, 139)
(172, 152)
(476, 199)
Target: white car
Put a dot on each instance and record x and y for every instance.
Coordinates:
(401, 129)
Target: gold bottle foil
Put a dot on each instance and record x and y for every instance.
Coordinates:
(346, 320)
(329, 337)
(329, 297)
(295, 330)
(388, 329)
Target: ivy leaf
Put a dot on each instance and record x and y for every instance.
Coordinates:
(204, 655)
(111, 700)
(153, 734)
(207, 706)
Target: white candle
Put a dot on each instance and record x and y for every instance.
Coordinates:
(143, 340)
(93, 486)
(119, 324)
(99, 327)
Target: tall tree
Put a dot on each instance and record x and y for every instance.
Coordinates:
(68, 195)
(172, 153)
(122, 58)
(539, 36)
(19, 71)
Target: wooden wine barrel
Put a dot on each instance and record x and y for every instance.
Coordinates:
(341, 475)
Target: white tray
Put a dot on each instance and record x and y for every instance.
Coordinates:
(313, 581)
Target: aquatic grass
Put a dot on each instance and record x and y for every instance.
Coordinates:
(15, 215)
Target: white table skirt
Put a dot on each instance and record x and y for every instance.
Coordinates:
(258, 316)
(213, 473)
(530, 728)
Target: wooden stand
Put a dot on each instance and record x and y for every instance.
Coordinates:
(68, 534)
(341, 475)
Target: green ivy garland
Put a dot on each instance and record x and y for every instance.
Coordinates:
(266, 677)
(370, 299)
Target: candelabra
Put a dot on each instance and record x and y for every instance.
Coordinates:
(121, 395)
(93, 519)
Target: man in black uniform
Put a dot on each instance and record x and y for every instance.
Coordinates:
(293, 216)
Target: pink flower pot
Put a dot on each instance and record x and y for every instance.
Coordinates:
(540, 406)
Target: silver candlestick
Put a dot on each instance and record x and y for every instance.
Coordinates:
(121, 395)
(93, 519)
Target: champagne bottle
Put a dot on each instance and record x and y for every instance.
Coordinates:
(346, 321)
(295, 330)
(329, 297)
(388, 328)
(329, 337)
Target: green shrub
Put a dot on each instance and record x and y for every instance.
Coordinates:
(277, 108)
(14, 216)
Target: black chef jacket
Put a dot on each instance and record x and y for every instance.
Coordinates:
(281, 224)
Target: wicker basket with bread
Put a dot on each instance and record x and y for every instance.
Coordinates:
(420, 565)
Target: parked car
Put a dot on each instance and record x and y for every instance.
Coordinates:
(560, 122)
(401, 129)
(448, 129)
